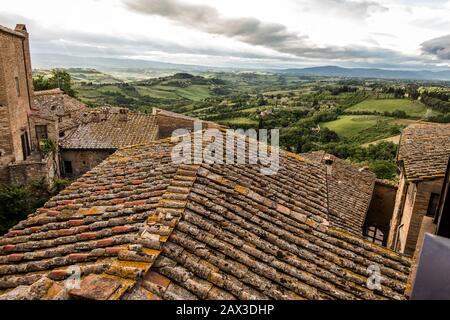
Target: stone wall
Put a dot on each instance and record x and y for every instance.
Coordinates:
(83, 160)
(4, 169)
(23, 173)
(52, 129)
(382, 206)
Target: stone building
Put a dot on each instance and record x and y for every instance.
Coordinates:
(422, 157)
(46, 134)
(67, 111)
(92, 142)
(138, 226)
(21, 159)
(102, 131)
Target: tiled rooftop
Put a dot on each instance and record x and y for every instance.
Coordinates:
(140, 227)
(55, 102)
(113, 133)
(350, 192)
(424, 149)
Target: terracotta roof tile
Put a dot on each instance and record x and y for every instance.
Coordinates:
(349, 192)
(424, 150)
(193, 232)
(54, 103)
(113, 133)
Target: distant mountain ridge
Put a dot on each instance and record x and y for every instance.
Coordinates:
(333, 71)
(48, 61)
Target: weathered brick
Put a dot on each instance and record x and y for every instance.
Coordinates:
(105, 242)
(121, 229)
(78, 257)
(15, 257)
(77, 222)
(58, 274)
(87, 236)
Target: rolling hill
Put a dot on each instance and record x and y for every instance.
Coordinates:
(333, 71)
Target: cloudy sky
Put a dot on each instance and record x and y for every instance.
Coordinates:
(402, 34)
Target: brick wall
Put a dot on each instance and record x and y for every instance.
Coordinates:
(411, 217)
(419, 211)
(15, 91)
(168, 122)
(83, 160)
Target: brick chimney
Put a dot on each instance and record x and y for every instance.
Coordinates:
(328, 160)
(104, 114)
(85, 118)
(123, 114)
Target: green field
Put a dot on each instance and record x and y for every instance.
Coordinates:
(366, 128)
(411, 107)
(347, 126)
(194, 92)
(238, 121)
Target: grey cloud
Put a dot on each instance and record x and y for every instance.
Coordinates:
(347, 8)
(439, 47)
(54, 40)
(208, 19)
(287, 47)
(256, 32)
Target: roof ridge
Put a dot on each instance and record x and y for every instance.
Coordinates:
(48, 92)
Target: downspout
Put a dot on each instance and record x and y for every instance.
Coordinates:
(397, 232)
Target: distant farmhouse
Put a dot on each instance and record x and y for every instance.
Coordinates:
(135, 225)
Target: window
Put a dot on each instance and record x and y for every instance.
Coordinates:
(62, 134)
(68, 170)
(375, 235)
(41, 132)
(433, 204)
(26, 151)
(17, 86)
